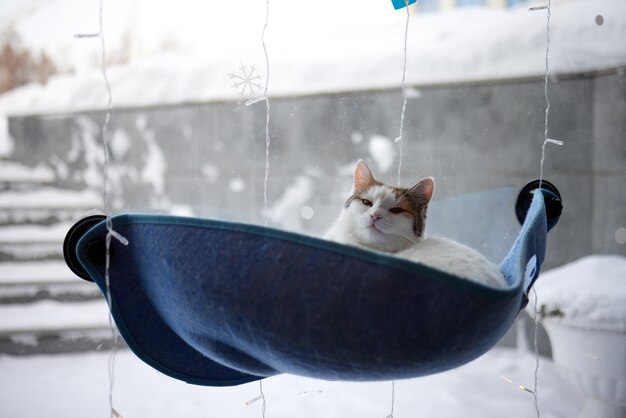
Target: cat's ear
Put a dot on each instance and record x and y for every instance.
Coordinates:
(363, 176)
(423, 191)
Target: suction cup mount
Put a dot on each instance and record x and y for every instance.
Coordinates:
(551, 198)
(75, 233)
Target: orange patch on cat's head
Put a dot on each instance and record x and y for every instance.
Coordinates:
(407, 206)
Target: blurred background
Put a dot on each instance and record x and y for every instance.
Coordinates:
(187, 133)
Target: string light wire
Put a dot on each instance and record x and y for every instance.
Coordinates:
(393, 398)
(260, 397)
(399, 138)
(536, 342)
(111, 233)
(267, 117)
(267, 151)
(265, 99)
(546, 141)
(267, 154)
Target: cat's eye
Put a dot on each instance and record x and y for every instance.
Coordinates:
(366, 202)
(396, 210)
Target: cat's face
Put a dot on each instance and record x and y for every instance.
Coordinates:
(384, 217)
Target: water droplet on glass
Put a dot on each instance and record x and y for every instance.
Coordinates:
(599, 20)
(307, 212)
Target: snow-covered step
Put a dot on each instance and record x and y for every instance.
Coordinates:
(35, 272)
(41, 216)
(54, 327)
(49, 198)
(13, 173)
(75, 291)
(46, 205)
(57, 342)
(31, 251)
(27, 282)
(47, 316)
(30, 242)
(22, 234)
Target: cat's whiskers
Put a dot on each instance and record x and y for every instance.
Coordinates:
(403, 241)
(410, 240)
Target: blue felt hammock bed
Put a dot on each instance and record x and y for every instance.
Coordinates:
(217, 303)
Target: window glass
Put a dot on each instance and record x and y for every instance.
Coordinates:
(464, 3)
(428, 5)
(188, 134)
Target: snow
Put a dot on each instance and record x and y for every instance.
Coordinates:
(155, 166)
(34, 233)
(50, 315)
(211, 172)
(48, 198)
(13, 172)
(6, 142)
(356, 50)
(591, 290)
(287, 211)
(57, 290)
(29, 241)
(620, 235)
(35, 271)
(383, 152)
(185, 51)
(77, 386)
(237, 185)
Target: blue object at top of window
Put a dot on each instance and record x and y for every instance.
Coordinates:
(398, 4)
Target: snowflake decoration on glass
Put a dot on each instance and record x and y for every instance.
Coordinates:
(246, 79)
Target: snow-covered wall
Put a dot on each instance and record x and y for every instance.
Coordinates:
(209, 159)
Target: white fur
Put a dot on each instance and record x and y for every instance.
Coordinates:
(454, 258)
(374, 226)
(393, 234)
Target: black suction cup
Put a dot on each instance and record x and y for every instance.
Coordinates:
(75, 233)
(551, 198)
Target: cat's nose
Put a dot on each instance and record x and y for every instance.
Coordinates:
(375, 216)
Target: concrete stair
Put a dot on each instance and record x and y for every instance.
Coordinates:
(44, 205)
(44, 307)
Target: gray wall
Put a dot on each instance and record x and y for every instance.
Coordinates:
(481, 142)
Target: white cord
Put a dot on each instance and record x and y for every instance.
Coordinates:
(111, 233)
(398, 140)
(547, 98)
(393, 398)
(546, 140)
(267, 118)
(535, 399)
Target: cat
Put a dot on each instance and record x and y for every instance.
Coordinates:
(391, 219)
